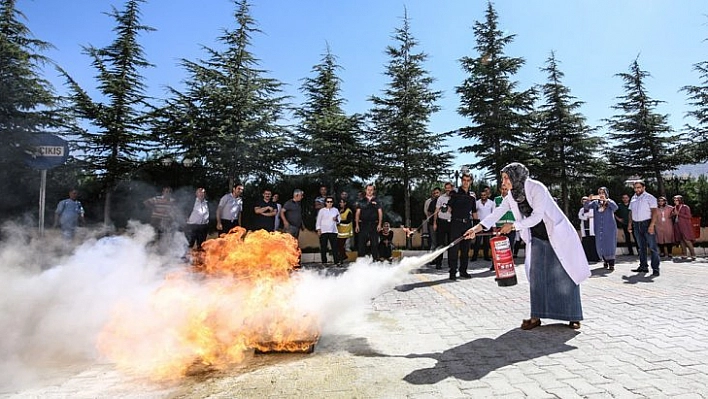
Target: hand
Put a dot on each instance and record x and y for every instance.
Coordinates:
(356, 229)
(470, 234)
(650, 230)
(334, 218)
(506, 228)
(219, 226)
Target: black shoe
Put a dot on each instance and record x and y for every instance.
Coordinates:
(491, 268)
(453, 277)
(473, 259)
(655, 273)
(640, 270)
(465, 275)
(488, 259)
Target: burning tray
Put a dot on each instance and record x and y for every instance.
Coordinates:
(299, 346)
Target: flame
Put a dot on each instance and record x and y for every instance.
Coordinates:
(238, 301)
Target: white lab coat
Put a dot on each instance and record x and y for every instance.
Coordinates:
(561, 233)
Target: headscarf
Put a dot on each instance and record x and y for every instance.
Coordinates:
(607, 192)
(518, 173)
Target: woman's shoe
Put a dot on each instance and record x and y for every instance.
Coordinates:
(528, 324)
(575, 325)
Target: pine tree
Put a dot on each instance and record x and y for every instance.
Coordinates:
(562, 143)
(643, 143)
(500, 114)
(228, 116)
(405, 150)
(330, 141)
(27, 103)
(113, 150)
(698, 98)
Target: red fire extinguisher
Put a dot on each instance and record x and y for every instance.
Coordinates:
(503, 259)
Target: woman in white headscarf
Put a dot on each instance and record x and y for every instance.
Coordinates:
(555, 261)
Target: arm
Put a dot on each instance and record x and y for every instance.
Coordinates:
(318, 223)
(612, 205)
(60, 209)
(357, 215)
(286, 224)
(492, 219)
(380, 213)
(218, 213)
(654, 218)
(582, 214)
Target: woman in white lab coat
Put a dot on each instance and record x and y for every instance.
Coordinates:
(555, 262)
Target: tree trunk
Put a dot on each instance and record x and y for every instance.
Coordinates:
(107, 208)
(407, 204)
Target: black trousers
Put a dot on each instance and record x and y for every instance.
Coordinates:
(461, 250)
(196, 234)
(484, 241)
(442, 235)
(368, 234)
(330, 238)
(227, 225)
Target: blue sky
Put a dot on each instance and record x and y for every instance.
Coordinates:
(592, 39)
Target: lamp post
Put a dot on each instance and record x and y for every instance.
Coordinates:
(168, 161)
(676, 179)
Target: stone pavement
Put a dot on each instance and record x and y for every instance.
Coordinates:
(642, 337)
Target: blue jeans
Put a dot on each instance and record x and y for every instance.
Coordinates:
(644, 239)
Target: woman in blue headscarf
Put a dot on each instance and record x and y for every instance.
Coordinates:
(555, 262)
(604, 209)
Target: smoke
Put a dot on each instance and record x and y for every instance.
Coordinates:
(55, 307)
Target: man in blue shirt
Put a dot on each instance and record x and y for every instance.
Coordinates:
(68, 215)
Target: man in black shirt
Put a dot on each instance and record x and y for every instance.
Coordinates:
(462, 205)
(367, 222)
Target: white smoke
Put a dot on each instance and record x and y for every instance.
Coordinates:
(51, 313)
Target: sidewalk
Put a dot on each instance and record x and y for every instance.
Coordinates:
(429, 337)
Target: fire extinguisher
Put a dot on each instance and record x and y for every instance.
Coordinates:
(503, 259)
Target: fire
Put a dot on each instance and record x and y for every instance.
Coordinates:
(238, 301)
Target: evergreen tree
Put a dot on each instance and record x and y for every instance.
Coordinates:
(330, 141)
(643, 143)
(698, 98)
(227, 118)
(500, 114)
(561, 142)
(27, 104)
(405, 150)
(117, 137)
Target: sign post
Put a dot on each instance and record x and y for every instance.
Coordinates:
(46, 152)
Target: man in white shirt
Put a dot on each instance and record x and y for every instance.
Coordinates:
(228, 213)
(642, 219)
(198, 220)
(485, 207)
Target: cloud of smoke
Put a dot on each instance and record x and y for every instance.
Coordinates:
(53, 307)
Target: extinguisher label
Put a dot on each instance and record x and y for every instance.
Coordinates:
(503, 257)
